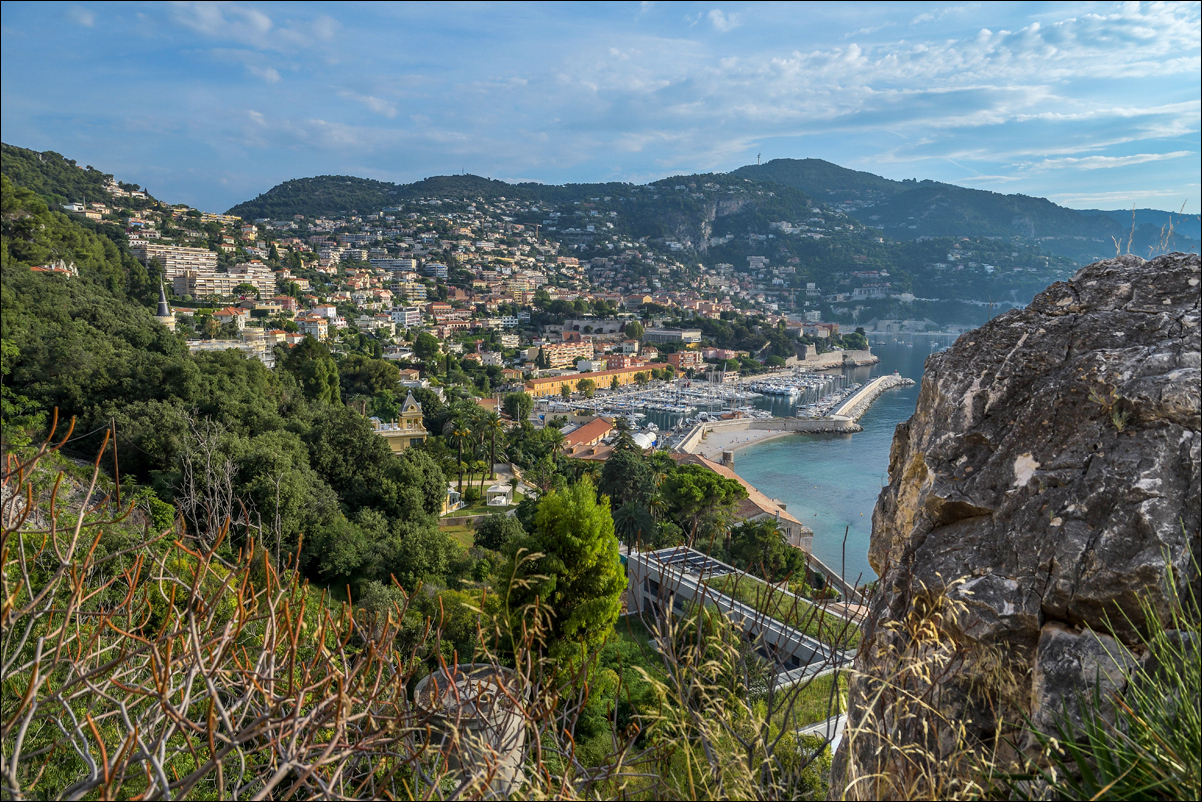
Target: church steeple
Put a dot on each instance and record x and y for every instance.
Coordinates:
(163, 315)
(164, 309)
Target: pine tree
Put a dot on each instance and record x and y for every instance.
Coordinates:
(578, 576)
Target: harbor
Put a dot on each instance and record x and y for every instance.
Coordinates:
(711, 439)
(669, 411)
(830, 482)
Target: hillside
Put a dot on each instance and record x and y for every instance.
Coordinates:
(317, 197)
(1184, 225)
(823, 179)
(913, 209)
(56, 178)
(339, 195)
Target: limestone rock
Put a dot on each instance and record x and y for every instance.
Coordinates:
(1051, 465)
(1069, 665)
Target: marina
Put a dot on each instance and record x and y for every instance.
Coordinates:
(830, 482)
(676, 406)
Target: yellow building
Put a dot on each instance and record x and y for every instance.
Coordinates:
(551, 385)
(406, 431)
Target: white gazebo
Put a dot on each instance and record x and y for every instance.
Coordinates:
(499, 496)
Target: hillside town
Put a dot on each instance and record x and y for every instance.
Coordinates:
(520, 305)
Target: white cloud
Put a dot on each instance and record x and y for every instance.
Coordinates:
(224, 21)
(82, 16)
(1122, 198)
(269, 74)
(724, 22)
(253, 62)
(1107, 162)
(374, 104)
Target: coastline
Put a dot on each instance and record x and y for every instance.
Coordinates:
(717, 441)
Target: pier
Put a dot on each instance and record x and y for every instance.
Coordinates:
(713, 439)
(859, 402)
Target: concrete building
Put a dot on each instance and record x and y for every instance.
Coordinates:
(406, 317)
(684, 360)
(686, 336)
(563, 355)
(552, 385)
(314, 326)
(176, 259)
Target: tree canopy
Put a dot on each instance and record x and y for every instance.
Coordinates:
(578, 575)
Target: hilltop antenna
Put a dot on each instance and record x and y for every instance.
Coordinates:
(757, 160)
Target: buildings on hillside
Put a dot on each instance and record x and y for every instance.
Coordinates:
(175, 259)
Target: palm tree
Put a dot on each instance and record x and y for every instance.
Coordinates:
(633, 524)
(554, 438)
(458, 432)
(493, 425)
(657, 505)
(483, 472)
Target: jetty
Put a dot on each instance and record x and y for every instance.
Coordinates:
(719, 439)
(858, 402)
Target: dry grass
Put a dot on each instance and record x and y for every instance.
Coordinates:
(911, 703)
(144, 665)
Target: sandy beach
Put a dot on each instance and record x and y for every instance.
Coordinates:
(715, 442)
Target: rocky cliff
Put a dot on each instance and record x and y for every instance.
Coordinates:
(1047, 482)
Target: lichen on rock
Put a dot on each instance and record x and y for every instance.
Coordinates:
(1052, 466)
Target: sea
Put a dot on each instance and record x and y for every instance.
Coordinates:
(831, 482)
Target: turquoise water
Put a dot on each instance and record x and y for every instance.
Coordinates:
(831, 482)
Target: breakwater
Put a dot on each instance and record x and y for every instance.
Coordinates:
(765, 428)
(842, 420)
(859, 402)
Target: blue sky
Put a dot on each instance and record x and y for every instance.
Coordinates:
(1090, 105)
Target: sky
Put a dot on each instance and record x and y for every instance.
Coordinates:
(1091, 105)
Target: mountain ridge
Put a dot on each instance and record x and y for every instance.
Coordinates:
(903, 210)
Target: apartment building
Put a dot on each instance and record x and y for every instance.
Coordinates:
(617, 361)
(564, 355)
(553, 385)
(224, 219)
(314, 326)
(684, 360)
(211, 284)
(406, 316)
(376, 323)
(411, 290)
(176, 259)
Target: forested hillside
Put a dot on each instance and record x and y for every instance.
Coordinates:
(295, 455)
(822, 179)
(54, 177)
(912, 209)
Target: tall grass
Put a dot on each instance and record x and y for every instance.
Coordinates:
(1143, 744)
(143, 664)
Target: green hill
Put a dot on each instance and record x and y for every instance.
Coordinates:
(56, 178)
(1184, 225)
(318, 196)
(822, 179)
(913, 209)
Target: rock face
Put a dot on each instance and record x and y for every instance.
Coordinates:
(1052, 466)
